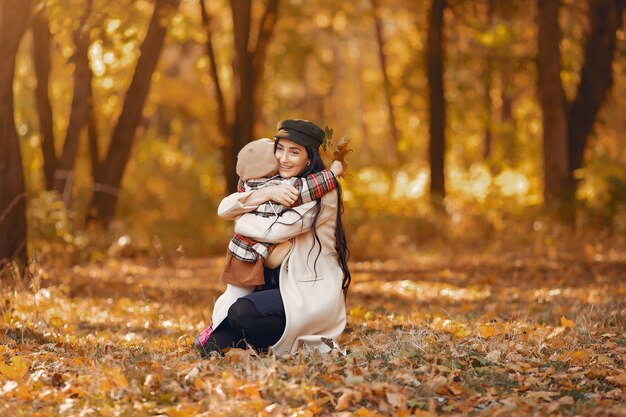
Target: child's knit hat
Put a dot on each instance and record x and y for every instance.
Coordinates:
(257, 160)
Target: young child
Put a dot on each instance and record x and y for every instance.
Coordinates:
(257, 168)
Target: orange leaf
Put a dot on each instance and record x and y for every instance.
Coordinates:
(313, 407)
(343, 401)
(251, 391)
(342, 150)
(579, 355)
(486, 331)
(567, 323)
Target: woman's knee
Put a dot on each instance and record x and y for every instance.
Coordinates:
(241, 314)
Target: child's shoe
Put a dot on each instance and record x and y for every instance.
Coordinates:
(202, 341)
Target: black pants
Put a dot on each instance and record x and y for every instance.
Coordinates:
(244, 326)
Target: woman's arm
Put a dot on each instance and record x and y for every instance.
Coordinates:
(290, 224)
(237, 204)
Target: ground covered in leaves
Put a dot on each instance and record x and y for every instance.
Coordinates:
(537, 331)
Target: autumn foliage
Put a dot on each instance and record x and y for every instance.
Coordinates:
(525, 330)
(464, 126)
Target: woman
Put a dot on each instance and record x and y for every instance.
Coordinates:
(302, 301)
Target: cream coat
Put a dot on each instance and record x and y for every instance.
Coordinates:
(311, 291)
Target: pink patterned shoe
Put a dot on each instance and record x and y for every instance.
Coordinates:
(202, 340)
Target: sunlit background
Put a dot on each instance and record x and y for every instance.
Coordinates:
(322, 64)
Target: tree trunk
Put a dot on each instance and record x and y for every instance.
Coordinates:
(567, 128)
(507, 121)
(14, 15)
(222, 114)
(92, 133)
(266, 30)
(248, 65)
(393, 126)
(64, 174)
(434, 58)
(553, 106)
(605, 18)
(41, 59)
(106, 187)
(487, 83)
(243, 125)
(361, 110)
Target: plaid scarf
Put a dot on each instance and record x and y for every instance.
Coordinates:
(311, 187)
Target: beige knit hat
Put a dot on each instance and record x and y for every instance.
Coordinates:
(257, 160)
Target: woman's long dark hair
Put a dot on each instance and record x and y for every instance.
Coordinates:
(341, 246)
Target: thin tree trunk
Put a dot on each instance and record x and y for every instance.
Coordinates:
(553, 105)
(223, 124)
(435, 51)
(64, 174)
(266, 30)
(222, 115)
(361, 110)
(488, 82)
(243, 125)
(92, 133)
(106, 187)
(507, 121)
(14, 15)
(248, 66)
(264, 36)
(393, 126)
(596, 78)
(41, 59)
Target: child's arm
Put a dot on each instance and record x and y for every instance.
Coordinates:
(316, 185)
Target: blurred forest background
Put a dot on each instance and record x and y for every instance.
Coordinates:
(485, 204)
(470, 121)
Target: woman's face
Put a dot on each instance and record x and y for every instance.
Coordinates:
(292, 158)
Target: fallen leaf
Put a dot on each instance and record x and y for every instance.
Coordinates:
(395, 399)
(615, 394)
(569, 324)
(16, 370)
(486, 331)
(619, 379)
(343, 401)
(554, 405)
(493, 356)
(543, 395)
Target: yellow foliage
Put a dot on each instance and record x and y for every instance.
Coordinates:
(452, 327)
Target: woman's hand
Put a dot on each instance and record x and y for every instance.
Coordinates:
(284, 194)
(336, 168)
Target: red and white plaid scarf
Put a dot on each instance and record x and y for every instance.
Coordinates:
(311, 187)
